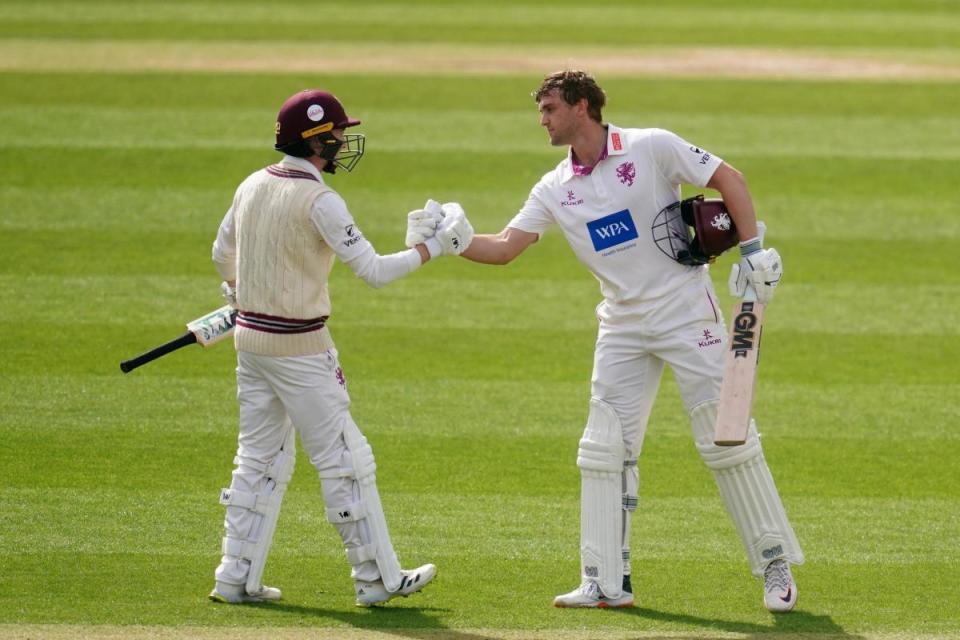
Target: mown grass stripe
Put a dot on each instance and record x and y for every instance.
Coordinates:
(845, 308)
(856, 137)
(52, 49)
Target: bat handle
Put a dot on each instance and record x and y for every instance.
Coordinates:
(129, 365)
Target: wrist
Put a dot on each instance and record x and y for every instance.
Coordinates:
(750, 247)
(433, 247)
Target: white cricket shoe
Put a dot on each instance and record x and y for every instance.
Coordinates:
(779, 589)
(371, 593)
(238, 594)
(588, 594)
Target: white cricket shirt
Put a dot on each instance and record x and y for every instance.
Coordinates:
(608, 215)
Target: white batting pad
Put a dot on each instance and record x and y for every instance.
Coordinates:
(600, 458)
(748, 492)
(369, 511)
(252, 515)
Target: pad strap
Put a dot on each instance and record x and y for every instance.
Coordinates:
(630, 497)
(239, 548)
(365, 553)
(244, 499)
(347, 513)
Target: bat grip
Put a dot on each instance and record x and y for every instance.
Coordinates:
(129, 365)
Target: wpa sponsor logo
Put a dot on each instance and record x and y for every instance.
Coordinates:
(611, 230)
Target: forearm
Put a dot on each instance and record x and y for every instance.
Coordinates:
(487, 249)
(500, 248)
(378, 270)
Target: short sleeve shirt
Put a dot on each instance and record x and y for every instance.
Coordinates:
(608, 215)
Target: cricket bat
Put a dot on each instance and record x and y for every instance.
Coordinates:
(205, 331)
(740, 368)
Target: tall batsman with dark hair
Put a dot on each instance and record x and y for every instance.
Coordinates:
(275, 248)
(613, 197)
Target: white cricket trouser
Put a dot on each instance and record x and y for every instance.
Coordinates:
(683, 330)
(307, 393)
(686, 331)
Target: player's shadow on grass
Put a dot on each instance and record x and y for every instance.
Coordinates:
(405, 622)
(797, 622)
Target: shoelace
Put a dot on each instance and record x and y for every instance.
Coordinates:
(776, 577)
(591, 589)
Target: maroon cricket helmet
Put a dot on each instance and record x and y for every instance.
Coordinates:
(712, 224)
(694, 231)
(308, 113)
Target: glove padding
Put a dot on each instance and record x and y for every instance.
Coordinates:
(760, 272)
(229, 294)
(455, 233)
(423, 223)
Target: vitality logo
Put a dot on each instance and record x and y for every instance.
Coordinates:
(611, 230)
(353, 235)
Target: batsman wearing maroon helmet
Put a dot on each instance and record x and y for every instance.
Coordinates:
(274, 249)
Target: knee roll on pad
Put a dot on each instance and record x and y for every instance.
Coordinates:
(748, 492)
(252, 515)
(601, 461)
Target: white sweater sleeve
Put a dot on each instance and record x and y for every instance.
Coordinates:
(225, 248)
(334, 222)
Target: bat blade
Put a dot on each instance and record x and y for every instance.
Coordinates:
(739, 374)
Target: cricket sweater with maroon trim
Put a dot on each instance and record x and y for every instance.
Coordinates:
(283, 265)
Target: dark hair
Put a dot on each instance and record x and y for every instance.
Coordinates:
(298, 149)
(574, 86)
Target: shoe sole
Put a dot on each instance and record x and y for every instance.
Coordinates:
(367, 605)
(599, 605)
(219, 599)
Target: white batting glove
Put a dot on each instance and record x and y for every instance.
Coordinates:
(455, 233)
(229, 294)
(422, 223)
(758, 272)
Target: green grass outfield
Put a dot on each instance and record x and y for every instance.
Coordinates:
(125, 127)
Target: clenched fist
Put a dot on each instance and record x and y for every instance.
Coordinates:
(422, 223)
(455, 232)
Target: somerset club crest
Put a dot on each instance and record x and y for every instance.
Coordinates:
(721, 222)
(627, 173)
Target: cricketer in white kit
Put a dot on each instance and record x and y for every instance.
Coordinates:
(606, 196)
(275, 248)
